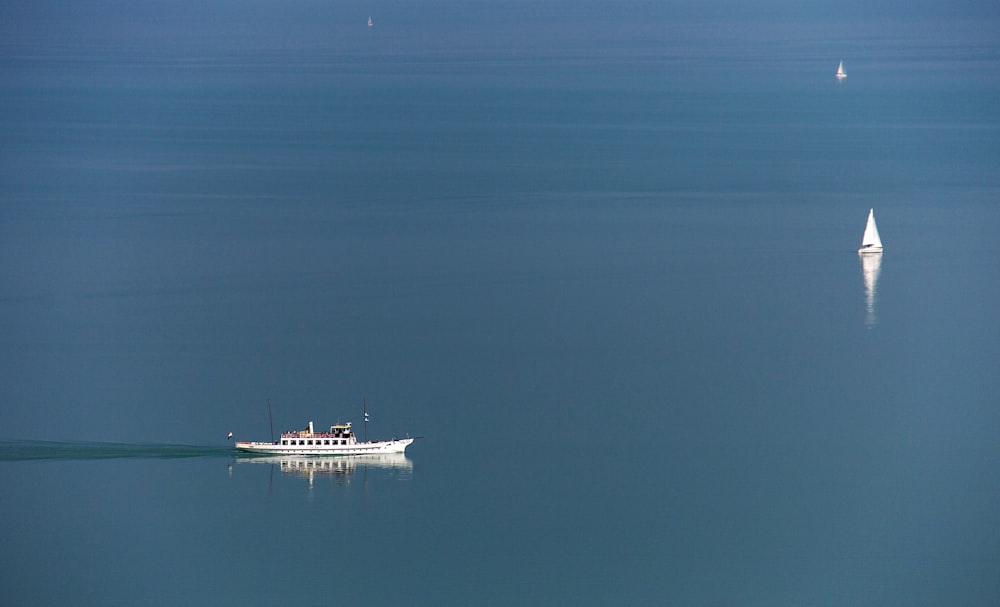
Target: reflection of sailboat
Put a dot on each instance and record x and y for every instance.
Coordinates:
(871, 266)
(870, 241)
(841, 74)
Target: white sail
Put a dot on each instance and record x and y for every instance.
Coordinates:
(870, 242)
(370, 22)
(840, 71)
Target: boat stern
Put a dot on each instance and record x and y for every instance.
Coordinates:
(254, 446)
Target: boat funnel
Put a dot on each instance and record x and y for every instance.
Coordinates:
(310, 427)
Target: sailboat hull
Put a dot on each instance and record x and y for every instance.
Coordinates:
(864, 250)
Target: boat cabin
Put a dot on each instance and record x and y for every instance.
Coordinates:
(340, 434)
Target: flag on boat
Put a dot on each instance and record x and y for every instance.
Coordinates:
(230, 436)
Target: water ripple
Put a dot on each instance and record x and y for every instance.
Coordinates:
(21, 450)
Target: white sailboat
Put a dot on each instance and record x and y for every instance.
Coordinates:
(870, 242)
(841, 74)
(370, 21)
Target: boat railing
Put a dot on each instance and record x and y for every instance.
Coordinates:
(315, 435)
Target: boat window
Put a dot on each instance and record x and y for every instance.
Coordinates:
(302, 442)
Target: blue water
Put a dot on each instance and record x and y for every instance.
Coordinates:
(601, 256)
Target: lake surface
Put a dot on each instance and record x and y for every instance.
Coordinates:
(600, 257)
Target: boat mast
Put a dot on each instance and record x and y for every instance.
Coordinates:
(270, 417)
(364, 407)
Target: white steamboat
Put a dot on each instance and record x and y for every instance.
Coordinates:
(340, 440)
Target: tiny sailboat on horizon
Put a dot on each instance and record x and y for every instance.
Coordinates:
(841, 74)
(370, 24)
(870, 241)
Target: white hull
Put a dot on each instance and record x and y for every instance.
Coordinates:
(371, 448)
(864, 250)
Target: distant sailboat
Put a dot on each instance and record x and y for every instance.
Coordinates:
(371, 24)
(841, 74)
(870, 242)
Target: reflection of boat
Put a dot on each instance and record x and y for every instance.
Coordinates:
(871, 266)
(870, 241)
(841, 74)
(339, 469)
(307, 465)
(340, 440)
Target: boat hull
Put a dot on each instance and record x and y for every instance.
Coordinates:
(372, 448)
(866, 250)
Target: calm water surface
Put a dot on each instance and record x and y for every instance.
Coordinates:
(601, 258)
